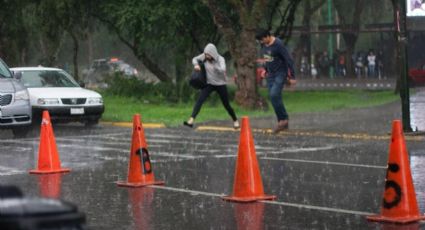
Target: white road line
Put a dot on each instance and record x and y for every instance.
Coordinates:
(297, 150)
(327, 209)
(287, 150)
(149, 141)
(9, 171)
(98, 135)
(225, 156)
(324, 162)
(184, 156)
(192, 192)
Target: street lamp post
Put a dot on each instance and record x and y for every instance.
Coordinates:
(401, 34)
(330, 39)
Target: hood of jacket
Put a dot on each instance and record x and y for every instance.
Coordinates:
(212, 50)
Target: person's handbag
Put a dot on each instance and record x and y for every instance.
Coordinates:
(198, 79)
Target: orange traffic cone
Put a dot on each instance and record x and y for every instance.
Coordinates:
(140, 171)
(247, 185)
(48, 157)
(399, 204)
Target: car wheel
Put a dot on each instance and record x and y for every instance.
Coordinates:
(21, 132)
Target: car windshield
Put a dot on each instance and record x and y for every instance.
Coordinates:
(4, 71)
(47, 78)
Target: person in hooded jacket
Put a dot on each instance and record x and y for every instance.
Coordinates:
(215, 67)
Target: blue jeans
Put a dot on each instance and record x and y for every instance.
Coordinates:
(275, 84)
(371, 70)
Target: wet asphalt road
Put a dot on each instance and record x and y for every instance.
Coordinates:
(320, 182)
(327, 172)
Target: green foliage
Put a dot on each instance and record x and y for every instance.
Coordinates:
(157, 23)
(163, 92)
(13, 34)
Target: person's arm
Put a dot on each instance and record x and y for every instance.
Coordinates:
(220, 66)
(200, 57)
(283, 52)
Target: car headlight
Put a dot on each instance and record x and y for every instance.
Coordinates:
(48, 101)
(94, 100)
(22, 95)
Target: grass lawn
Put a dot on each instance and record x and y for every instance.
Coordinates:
(122, 108)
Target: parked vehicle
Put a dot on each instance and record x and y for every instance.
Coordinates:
(417, 75)
(15, 108)
(120, 66)
(102, 67)
(55, 90)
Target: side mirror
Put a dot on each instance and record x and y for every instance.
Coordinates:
(17, 75)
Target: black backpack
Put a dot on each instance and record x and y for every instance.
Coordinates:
(198, 79)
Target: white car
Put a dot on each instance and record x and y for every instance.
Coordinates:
(55, 90)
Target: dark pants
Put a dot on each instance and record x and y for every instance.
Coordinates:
(205, 93)
(275, 84)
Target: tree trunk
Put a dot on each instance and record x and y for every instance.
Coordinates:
(152, 66)
(245, 55)
(50, 49)
(23, 57)
(241, 42)
(90, 46)
(303, 46)
(350, 40)
(396, 8)
(75, 55)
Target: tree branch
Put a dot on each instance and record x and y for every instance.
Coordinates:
(135, 47)
(317, 6)
(223, 22)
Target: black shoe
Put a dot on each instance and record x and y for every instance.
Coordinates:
(187, 124)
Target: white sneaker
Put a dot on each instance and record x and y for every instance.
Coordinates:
(236, 124)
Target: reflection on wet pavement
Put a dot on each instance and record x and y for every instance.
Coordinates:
(141, 207)
(417, 110)
(49, 185)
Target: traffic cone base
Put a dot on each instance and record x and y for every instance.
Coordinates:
(136, 185)
(248, 199)
(61, 170)
(405, 220)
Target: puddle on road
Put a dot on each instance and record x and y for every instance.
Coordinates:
(418, 172)
(417, 110)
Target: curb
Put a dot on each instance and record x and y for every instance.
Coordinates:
(130, 124)
(358, 136)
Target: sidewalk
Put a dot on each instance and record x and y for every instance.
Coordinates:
(372, 120)
(345, 83)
